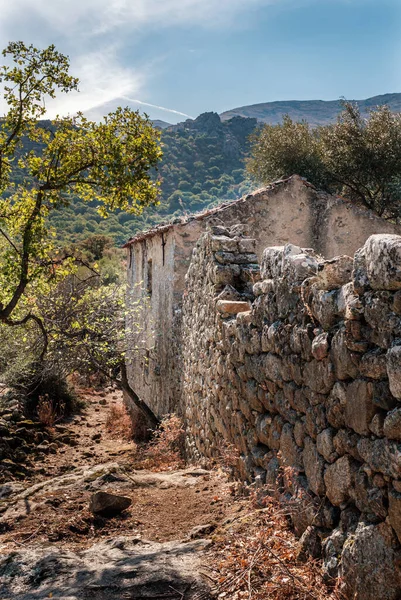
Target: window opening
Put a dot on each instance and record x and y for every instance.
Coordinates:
(149, 278)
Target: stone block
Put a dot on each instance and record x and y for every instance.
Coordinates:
(370, 567)
(325, 444)
(394, 370)
(359, 407)
(392, 425)
(314, 467)
(339, 480)
(320, 346)
(394, 512)
(232, 307)
(383, 261)
(291, 455)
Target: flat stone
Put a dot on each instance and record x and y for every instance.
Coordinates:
(232, 307)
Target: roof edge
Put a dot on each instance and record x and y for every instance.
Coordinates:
(202, 215)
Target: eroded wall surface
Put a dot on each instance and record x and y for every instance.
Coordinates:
(156, 271)
(299, 368)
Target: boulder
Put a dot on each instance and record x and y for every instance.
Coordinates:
(108, 505)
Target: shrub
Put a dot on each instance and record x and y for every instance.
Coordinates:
(48, 412)
(39, 383)
(166, 450)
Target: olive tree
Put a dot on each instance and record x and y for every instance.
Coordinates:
(93, 327)
(357, 157)
(43, 168)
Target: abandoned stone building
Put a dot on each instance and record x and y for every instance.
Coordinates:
(287, 211)
(273, 324)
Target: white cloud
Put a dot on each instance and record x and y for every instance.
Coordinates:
(98, 16)
(85, 29)
(102, 79)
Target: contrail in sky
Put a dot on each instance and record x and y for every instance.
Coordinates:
(170, 110)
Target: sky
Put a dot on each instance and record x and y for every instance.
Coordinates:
(175, 59)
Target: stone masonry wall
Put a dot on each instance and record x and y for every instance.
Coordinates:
(298, 365)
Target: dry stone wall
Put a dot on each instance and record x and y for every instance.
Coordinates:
(298, 365)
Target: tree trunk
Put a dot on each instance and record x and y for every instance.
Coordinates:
(151, 419)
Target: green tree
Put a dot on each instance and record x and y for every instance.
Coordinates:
(281, 150)
(359, 158)
(363, 158)
(107, 162)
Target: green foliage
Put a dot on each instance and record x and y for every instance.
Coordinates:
(202, 165)
(281, 150)
(107, 164)
(359, 158)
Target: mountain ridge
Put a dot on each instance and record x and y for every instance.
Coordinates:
(316, 112)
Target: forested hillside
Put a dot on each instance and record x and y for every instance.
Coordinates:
(203, 164)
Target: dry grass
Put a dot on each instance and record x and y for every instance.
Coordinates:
(48, 412)
(166, 450)
(118, 423)
(256, 559)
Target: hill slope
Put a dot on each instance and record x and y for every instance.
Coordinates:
(316, 112)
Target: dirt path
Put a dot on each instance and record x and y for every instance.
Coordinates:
(49, 537)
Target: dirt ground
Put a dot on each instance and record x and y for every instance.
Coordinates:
(161, 510)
